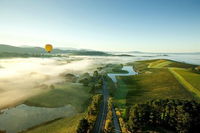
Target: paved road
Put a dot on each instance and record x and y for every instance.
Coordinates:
(101, 118)
(116, 121)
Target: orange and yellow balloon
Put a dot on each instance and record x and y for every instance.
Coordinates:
(48, 48)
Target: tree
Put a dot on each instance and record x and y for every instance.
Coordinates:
(108, 126)
(83, 126)
(197, 69)
(178, 115)
(52, 87)
(84, 81)
(182, 119)
(95, 74)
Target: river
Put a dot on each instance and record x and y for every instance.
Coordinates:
(129, 69)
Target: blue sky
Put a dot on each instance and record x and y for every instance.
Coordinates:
(109, 25)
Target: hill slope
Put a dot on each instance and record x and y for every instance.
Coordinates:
(5, 49)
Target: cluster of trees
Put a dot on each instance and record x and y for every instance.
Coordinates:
(197, 69)
(86, 52)
(86, 124)
(70, 77)
(109, 118)
(112, 68)
(95, 81)
(24, 55)
(177, 115)
(121, 118)
(6, 54)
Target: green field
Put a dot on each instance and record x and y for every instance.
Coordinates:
(68, 93)
(155, 81)
(159, 64)
(188, 79)
(145, 65)
(62, 94)
(65, 125)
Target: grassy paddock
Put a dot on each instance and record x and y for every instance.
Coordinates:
(159, 64)
(188, 79)
(69, 93)
(160, 84)
(65, 125)
(154, 82)
(190, 76)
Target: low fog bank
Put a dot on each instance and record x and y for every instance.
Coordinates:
(21, 78)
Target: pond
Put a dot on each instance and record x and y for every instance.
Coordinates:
(22, 117)
(129, 69)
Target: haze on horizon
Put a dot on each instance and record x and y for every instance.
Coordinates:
(108, 25)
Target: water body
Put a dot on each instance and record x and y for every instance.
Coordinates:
(187, 58)
(129, 69)
(22, 117)
(191, 58)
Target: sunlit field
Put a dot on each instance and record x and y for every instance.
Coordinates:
(65, 125)
(188, 79)
(22, 78)
(156, 81)
(99, 66)
(32, 86)
(74, 94)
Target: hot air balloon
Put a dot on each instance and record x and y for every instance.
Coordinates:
(48, 48)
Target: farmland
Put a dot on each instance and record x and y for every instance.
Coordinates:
(155, 81)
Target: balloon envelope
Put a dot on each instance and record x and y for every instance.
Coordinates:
(48, 48)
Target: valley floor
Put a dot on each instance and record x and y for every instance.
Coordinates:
(64, 125)
(157, 80)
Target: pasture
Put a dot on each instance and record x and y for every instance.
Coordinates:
(155, 81)
(63, 94)
(64, 125)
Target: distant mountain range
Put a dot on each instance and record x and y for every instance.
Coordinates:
(38, 50)
(27, 51)
(140, 52)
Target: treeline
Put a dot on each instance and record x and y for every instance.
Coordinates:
(110, 85)
(86, 52)
(25, 55)
(86, 124)
(121, 118)
(109, 118)
(95, 81)
(176, 115)
(197, 69)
